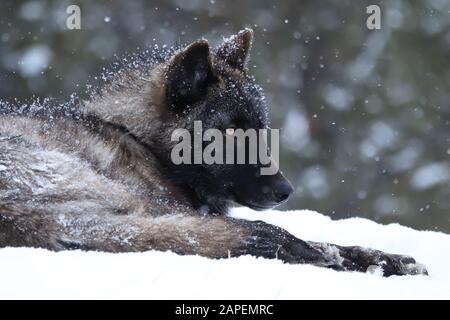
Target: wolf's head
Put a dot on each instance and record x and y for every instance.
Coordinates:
(198, 83)
(213, 86)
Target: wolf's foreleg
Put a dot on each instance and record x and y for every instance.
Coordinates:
(213, 237)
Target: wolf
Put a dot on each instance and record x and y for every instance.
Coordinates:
(96, 173)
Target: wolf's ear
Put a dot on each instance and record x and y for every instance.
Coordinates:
(235, 50)
(188, 75)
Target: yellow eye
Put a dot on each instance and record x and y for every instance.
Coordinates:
(229, 131)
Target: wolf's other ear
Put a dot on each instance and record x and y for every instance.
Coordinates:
(188, 75)
(235, 50)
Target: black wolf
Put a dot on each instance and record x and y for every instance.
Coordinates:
(97, 174)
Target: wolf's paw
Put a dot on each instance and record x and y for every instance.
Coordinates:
(273, 242)
(368, 260)
(399, 265)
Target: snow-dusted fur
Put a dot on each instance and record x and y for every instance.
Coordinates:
(96, 174)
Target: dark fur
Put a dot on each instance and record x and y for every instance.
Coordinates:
(97, 175)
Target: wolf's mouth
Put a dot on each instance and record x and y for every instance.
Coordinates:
(260, 207)
(252, 205)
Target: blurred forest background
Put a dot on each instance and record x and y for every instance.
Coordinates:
(365, 114)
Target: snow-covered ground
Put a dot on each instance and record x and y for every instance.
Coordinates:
(36, 273)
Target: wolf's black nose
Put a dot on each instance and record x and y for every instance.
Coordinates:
(283, 191)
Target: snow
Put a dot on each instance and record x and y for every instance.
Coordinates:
(38, 273)
(431, 174)
(35, 60)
